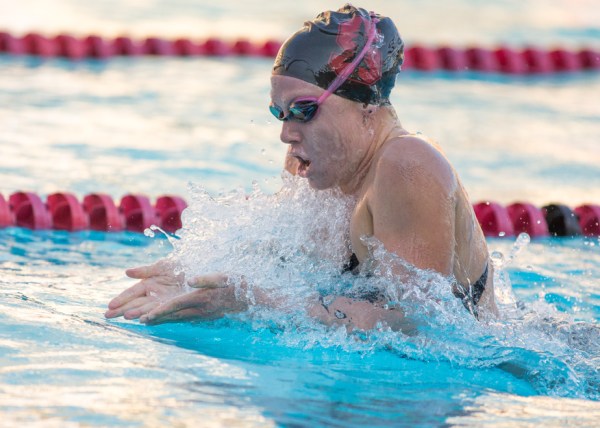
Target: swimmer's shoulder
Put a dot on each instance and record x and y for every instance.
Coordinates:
(414, 156)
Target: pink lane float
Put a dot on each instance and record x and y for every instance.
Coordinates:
(63, 211)
(501, 59)
(136, 213)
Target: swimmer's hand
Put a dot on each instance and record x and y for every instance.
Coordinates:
(357, 314)
(159, 296)
(158, 282)
(204, 303)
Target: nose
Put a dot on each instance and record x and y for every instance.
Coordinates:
(290, 133)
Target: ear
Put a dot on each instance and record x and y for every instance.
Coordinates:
(369, 109)
(368, 113)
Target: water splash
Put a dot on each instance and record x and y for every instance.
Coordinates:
(293, 245)
(150, 232)
(502, 285)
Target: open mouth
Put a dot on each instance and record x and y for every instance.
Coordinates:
(303, 166)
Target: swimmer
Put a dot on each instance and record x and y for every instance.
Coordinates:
(330, 88)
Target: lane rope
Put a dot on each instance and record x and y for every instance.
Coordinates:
(501, 59)
(136, 213)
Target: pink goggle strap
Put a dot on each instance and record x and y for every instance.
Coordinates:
(350, 67)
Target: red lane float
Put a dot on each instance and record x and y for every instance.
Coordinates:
(124, 46)
(589, 219)
(452, 59)
(97, 47)
(63, 211)
(138, 212)
(589, 59)
(421, 58)
(38, 45)
(66, 212)
(185, 47)
(565, 61)
(482, 60)
(538, 61)
(270, 48)
(158, 47)
(70, 47)
(216, 47)
(244, 47)
(493, 219)
(527, 218)
(501, 59)
(102, 212)
(10, 44)
(6, 217)
(29, 211)
(510, 61)
(169, 209)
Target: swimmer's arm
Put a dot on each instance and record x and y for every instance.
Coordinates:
(413, 208)
(351, 313)
(359, 314)
(212, 297)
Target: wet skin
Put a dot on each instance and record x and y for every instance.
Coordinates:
(408, 197)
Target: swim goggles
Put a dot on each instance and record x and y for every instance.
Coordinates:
(304, 109)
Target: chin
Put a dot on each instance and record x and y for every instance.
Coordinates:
(318, 185)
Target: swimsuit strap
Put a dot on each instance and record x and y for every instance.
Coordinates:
(471, 295)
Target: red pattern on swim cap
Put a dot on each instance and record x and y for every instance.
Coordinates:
(349, 38)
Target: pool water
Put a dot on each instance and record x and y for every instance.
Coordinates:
(155, 125)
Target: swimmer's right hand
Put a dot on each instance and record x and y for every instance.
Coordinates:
(158, 282)
(160, 288)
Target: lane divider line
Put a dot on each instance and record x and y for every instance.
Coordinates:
(501, 59)
(98, 211)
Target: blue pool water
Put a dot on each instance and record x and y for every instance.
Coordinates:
(153, 125)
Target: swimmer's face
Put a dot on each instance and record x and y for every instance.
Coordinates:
(322, 150)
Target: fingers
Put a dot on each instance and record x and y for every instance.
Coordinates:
(159, 268)
(140, 310)
(184, 315)
(129, 306)
(217, 280)
(176, 304)
(133, 292)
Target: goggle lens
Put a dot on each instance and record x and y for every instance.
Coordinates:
(299, 111)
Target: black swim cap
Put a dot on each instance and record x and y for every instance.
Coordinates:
(323, 47)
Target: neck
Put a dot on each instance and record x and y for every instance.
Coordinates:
(385, 126)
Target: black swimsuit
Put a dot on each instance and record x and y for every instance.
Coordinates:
(469, 296)
(351, 264)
